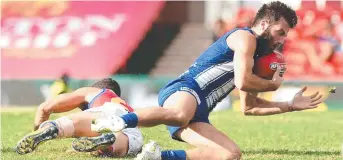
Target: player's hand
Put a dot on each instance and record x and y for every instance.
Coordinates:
(301, 102)
(277, 79)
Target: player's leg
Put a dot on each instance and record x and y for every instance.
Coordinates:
(33, 139)
(178, 110)
(210, 143)
(181, 107)
(74, 125)
(128, 142)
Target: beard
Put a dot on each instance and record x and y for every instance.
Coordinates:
(268, 38)
(264, 44)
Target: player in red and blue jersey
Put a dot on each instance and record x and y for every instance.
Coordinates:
(99, 100)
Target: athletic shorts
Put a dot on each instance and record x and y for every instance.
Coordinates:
(134, 135)
(201, 113)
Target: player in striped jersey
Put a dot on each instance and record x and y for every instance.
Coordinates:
(100, 100)
(227, 64)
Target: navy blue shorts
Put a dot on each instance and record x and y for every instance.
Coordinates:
(201, 113)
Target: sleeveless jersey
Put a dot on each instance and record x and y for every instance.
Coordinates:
(106, 95)
(213, 71)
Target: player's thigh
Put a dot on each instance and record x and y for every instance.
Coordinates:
(203, 135)
(183, 103)
(82, 123)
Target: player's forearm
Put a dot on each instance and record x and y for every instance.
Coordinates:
(252, 83)
(61, 103)
(51, 106)
(263, 107)
(44, 111)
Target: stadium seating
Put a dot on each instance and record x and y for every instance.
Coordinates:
(184, 49)
(306, 36)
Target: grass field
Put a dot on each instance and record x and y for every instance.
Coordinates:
(294, 136)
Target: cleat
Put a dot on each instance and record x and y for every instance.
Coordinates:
(30, 142)
(151, 151)
(90, 144)
(108, 124)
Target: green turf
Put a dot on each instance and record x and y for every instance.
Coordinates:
(293, 136)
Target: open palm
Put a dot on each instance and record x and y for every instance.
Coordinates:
(301, 102)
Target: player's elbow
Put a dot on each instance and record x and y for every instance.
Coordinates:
(239, 83)
(243, 87)
(242, 84)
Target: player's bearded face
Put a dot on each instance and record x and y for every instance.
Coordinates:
(268, 36)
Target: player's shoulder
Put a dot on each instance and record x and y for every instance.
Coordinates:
(243, 35)
(241, 39)
(103, 91)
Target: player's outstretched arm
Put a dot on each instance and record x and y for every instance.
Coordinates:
(244, 45)
(62, 103)
(252, 105)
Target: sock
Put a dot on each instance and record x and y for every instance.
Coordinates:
(65, 127)
(173, 155)
(47, 122)
(130, 119)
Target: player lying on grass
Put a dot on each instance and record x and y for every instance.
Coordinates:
(228, 63)
(97, 101)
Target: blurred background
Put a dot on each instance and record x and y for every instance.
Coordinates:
(53, 47)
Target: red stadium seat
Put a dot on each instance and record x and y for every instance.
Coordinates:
(336, 5)
(244, 17)
(311, 23)
(308, 5)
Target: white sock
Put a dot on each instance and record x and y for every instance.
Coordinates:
(65, 127)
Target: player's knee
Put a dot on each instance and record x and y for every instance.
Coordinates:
(231, 155)
(181, 119)
(176, 117)
(236, 155)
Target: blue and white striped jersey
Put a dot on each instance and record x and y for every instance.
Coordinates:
(213, 71)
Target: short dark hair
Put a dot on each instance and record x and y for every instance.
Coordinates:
(274, 11)
(108, 83)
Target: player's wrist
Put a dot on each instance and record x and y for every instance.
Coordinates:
(290, 106)
(271, 85)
